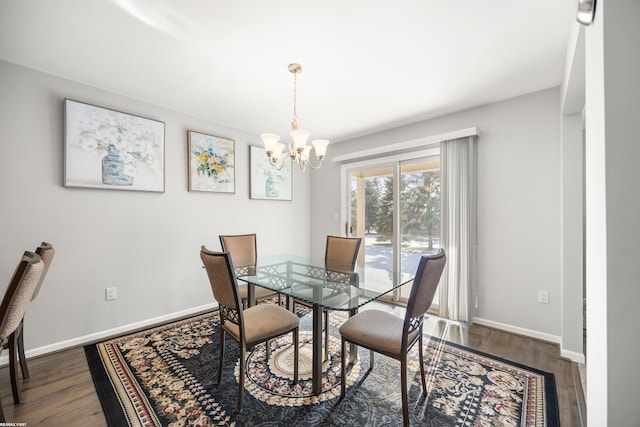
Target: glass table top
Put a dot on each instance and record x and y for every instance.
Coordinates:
(333, 287)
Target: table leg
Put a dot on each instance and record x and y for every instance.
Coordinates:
(316, 372)
(353, 349)
(251, 294)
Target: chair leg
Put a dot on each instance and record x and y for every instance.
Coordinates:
(13, 371)
(343, 370)
(221, 355)
(371, 359)
(2, 419)
(21, 355)
(403, 384)
(421, 356)
(296, 355)
(243, 355)
(326, 335)
(268, 350)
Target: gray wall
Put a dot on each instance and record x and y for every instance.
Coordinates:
(572, 196)
(572, 237)
(612, 212)
(145, 244)
(518, 206)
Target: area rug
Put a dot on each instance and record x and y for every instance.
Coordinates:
(166, 376)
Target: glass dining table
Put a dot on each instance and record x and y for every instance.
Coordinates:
(322, 287)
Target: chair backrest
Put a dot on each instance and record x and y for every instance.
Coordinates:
(19, 293)
(46, 252)
(424, 285)
(341, 253)
(222, 278)
(243, 250)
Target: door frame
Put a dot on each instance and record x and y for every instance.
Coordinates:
(393, 161)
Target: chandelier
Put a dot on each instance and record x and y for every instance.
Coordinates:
(298, 151)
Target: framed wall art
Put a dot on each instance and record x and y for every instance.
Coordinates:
(211, 163)
(112, 150)
(266, 182)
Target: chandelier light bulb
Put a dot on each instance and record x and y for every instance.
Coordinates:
(320, 146)
(299, 138)
(270, 140)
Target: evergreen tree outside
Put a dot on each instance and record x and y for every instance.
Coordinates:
(419, 208)
(433, 205)
(384, 221)
(372, 203)
(354, 204)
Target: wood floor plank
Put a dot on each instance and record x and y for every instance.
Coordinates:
(61, 392)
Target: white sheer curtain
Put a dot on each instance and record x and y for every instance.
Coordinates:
(458, 220)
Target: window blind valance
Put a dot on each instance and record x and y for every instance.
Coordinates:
(414, 143)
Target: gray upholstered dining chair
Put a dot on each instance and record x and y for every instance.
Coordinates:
(243, 249)
(46, 252)
(13, 307)
(384, 333)
(249, 326)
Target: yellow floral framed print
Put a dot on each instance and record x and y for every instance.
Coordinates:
(211, 163)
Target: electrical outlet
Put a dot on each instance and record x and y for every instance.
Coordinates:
(543, 297)
(110, 294)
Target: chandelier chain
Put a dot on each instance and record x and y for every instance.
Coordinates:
(294, 124)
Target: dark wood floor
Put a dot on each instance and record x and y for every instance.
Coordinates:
(60, 391)
(541, 355)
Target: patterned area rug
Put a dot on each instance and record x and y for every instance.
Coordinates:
(166, 376)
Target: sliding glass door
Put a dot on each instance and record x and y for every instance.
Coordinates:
(394, 205)
(371, 214)
(419, 213)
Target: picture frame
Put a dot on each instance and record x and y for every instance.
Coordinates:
(211, 163)
(266, 182)
(109, 149)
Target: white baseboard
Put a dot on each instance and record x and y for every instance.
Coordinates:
(568, 354)
(4, 360)
(517, 330)
(574, 356)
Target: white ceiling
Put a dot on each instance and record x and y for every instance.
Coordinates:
(368, 65)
